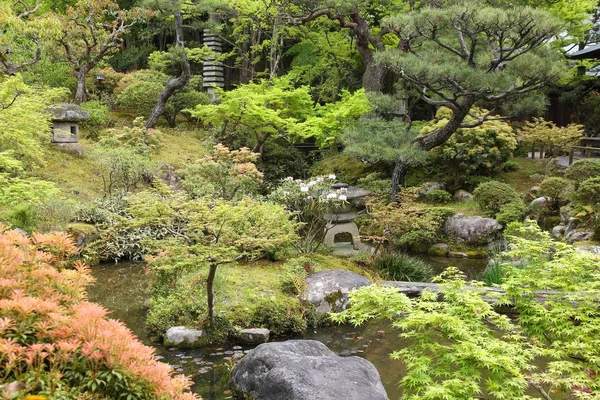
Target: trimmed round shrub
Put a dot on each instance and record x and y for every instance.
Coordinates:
(99, 117)
(581, 170)
(402, 267)
(438, 196)
(589, 191)
(492, 195)
(556, 188)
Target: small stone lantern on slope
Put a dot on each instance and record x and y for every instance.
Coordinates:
(65, 126)
(341, 219)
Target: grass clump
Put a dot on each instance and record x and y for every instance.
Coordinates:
(402, 267)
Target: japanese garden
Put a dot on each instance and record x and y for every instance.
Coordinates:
(299, 199)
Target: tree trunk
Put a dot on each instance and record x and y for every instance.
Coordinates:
(210, 295)
(398, 177)
(441, 135)
(176, 83)
(81, 92)
(374, 73)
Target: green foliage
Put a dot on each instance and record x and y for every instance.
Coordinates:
(451, 342)
(347, 168)
(511, 212)
(510, 166)
(588, 191)
(293, 275)
(276, 109)
(228, 174)
(492, 195)
(139, 90)
(136, 138)
(494, 273)
(452, 66)
(99, 117)
(557, 189)
(121, 170)
(584, 169)
(402, 267)
(326, 61)
(438, 196)
(406, 224)
(473, 151)
(377, 139)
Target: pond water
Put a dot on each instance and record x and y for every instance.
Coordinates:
(123, 288)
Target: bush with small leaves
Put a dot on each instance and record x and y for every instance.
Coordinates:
(557, 189)
(588, 192)
(492, 195)
(99, 117)
(511, 212)
(584, 169)
(438, 196)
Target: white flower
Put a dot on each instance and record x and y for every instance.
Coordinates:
(332, 196)
(320, 179)
(343, 197)
(289, 178)
(298, 180)
(331, 176)
(304, 189)
(286, 193)
(311, 183)
(309, 198)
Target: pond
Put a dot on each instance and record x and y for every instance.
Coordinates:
(123, 288)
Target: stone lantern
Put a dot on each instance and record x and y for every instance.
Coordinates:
(65, 126)
(65, 122)
(341, 219)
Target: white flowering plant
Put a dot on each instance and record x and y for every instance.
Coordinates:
(309, 200)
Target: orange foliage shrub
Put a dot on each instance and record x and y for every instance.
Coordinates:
(55, 343)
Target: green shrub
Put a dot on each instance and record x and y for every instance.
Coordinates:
(22, 216)
(402, 267)
(510, 165)
(438, 196)
(347, 168)
(511, 212)
(492, 195)
(280, 314)
(99, 117)
(557, 189)
(417, 241)
(588, 191)
(581, 170)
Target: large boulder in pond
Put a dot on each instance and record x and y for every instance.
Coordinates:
(472, 230)
(184, 337)
(305, 370)
(328, 290)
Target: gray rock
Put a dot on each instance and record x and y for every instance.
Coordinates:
(534, 190)
(305, 370)
(328, 290)
(253, 336)
(589, 248)
(74, 149)
(579, 236)
(558, 231)
(540, 204)
(472, 230)
(463, 196)
(564, 213)
(572, 224)
(20, 231)
(180, 335)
